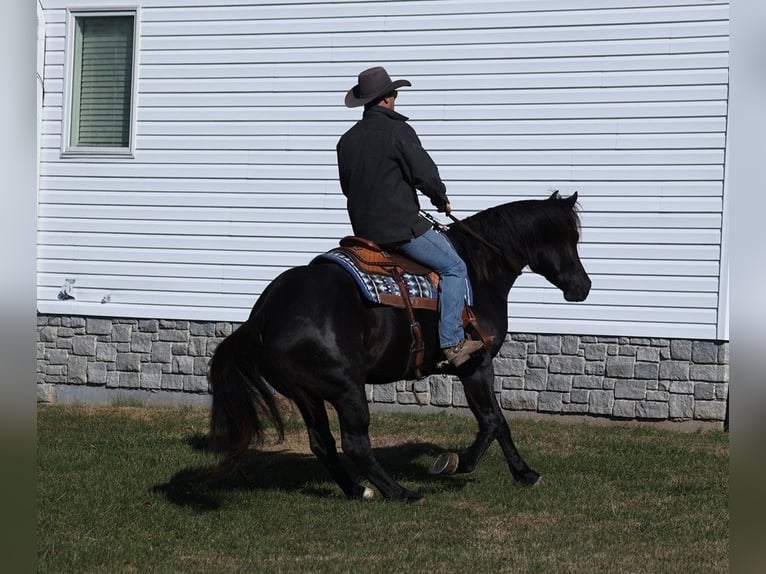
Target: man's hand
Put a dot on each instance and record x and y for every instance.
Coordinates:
(446, 208)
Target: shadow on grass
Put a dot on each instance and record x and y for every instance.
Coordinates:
(204, 488)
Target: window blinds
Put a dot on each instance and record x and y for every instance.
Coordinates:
(103, 72)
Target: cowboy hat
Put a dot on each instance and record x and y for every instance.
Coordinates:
(373, 83)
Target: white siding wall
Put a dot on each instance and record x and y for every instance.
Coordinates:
(240, 105)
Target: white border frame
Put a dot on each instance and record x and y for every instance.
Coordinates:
(93, 152)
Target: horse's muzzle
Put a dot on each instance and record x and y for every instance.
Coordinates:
(578, 290)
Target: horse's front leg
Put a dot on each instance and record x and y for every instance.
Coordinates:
(481, 399)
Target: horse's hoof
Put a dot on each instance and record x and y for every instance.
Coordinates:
(368, 494)
(447, 463)
(540, 482)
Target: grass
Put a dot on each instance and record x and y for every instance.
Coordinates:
(126, 488)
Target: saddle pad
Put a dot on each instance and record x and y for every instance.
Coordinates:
(382, 288)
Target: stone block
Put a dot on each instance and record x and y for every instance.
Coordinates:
(661, 396)
(513, 350)
(597, 369)
(681, 387)
(681, 407)
(172, 382)
(458, 395)
(549, 344)
(183, 365)
(535, 379)
(200, 366)
(151, 376)
(84, 345)
(633, 389)
(161, 353)
(549, 402)
(195, 384)
(56, 356)
(202, 329)
(77, 373)
(96, 373)
(95, 326)
(620, 367)
(538, 362)
(704, 352)
(600, 402)
(173, 335)
(441, 391)
(587, 382)
(559, 383)
(509, 367)
(712, 373)
(704, 391)
(649, 371)
(384, 393)
(141, 343)
(223, 329)
(128, 362)
(595, 352)
(674, 370)
(511, 383)
(567, 365)
(709, 410)
(570, 345)
(121, 333)
(517, 400)
(652, 410)
(624, 409)
(148, 325)
(579, 396)
(681, 350)
(129, 380)
(648, 354)
(48, 334)
(106, 352)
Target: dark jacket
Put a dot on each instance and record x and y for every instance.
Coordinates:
(381, 163)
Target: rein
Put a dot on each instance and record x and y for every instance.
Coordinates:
(463, 227)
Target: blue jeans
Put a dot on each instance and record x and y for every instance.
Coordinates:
(435, 251)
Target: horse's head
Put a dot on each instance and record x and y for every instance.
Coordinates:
(554, 254)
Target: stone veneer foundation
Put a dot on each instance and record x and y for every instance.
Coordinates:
(97, 360)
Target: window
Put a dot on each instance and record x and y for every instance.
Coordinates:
(101, 96)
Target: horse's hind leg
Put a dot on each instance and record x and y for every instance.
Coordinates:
(322, 444)
(354, 418)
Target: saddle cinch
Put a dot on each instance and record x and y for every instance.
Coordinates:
(392, 279)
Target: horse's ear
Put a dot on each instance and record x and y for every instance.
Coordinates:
(555, 194)
(572, 199)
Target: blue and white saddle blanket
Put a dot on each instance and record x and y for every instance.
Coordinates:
(380, 278)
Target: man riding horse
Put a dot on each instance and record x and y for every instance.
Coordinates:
(382, 163)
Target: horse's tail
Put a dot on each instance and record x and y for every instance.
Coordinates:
(240, 394)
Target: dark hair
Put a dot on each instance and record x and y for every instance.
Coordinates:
(376, 101)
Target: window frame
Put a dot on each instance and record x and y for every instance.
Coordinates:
(67, 148)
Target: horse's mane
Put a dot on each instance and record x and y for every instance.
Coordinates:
(514, 227)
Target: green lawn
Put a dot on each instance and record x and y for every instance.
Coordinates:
(126, 489)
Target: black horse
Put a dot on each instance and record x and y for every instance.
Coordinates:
(313, 338)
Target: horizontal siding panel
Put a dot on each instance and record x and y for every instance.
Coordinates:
(156, 122)
(247, 214)
(78, 202)
(325, 231)
(450, 157)
(301, 170)
(242, 190)
(263, 242)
